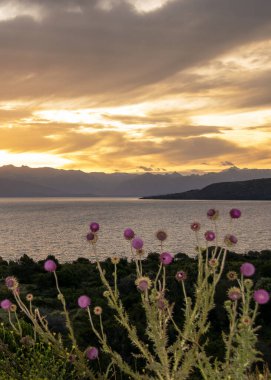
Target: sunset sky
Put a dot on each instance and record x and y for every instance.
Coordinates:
(135, 85)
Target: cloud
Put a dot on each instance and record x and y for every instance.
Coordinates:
(93, 52)
(108, 84)
(227, 163)
(145, 169)
(181, 131)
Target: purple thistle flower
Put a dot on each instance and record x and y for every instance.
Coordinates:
(247, 269)
(166, 258)
(213, 214)
(11, 283)
(181, 276)
(6, 304)
(161, 235)
(84, 301)
(235, 213)
(137, 243)
(50, 266)
(261, 296)
(94, 227)
(128, 234)
(143, 285)
(209, 235)
(230, 240)
(92, 353)
(90, 236)
(195, 226)
(234, 293)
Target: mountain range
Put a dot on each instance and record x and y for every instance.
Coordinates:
(47, 182)
(254, 189)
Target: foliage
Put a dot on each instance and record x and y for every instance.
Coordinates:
(24, 359)
(165, 330)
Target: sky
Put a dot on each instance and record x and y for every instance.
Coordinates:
(135, 85)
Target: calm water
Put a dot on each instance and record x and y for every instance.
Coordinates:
(38, 227)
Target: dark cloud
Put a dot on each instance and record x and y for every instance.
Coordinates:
(181, 131)
(145, 169)
(58, 138)
(91, 52)
(73, 55)
(192, 149)
(110, 146)
(227, 163)
(11, 115)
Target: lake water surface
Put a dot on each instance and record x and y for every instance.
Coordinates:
(41, 226)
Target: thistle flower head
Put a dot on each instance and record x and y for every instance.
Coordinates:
(166, 258)
(84, 301)
(94, 227)
(128, 234)
(230, 240)
(247, 269)
(6, 304)
(209, 235)
(161, 235)
(213, 263)
(50, 266)
(91, 237)
(143, 283)
(13, 308)
(98, 310)
(11, 282)
(235, 213)
(213, 214)
(227, 304)
(246, 320)
(29, 297)
(248, 283)
(60, 297)
(92, 353)
(234, 293)
(115, 260)
(181, 275)
(232, 275)
(140, 252)
(137, 243)
(195, 226)
(261, 296)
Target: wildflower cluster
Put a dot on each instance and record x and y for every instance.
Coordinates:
(240, 341)
(163, 357)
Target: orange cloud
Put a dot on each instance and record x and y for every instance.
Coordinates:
(108, 84)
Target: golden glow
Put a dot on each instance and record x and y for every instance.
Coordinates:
(200, 117)
(235, 120)
(34, 160)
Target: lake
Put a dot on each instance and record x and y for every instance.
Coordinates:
(41, 226)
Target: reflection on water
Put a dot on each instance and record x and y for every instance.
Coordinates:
(41, 226)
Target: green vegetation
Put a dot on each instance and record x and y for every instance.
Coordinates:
(82, 277)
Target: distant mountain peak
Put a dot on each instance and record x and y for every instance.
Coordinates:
(76, 182)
